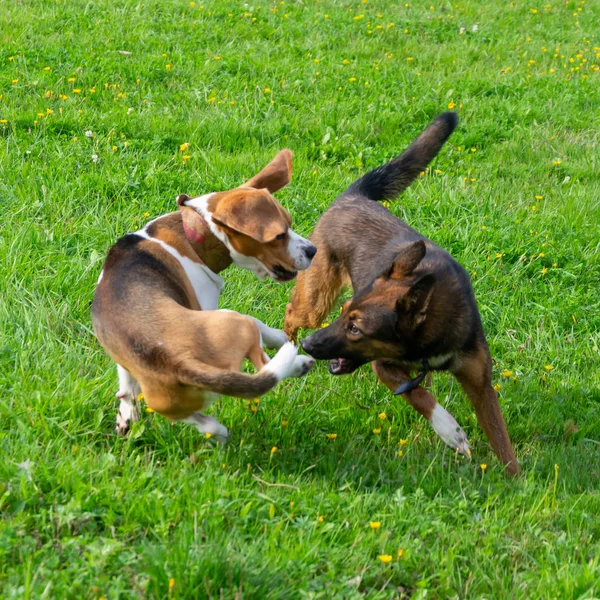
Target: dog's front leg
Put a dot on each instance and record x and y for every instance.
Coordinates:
(129, 409)
(442, 422)
(271, 338)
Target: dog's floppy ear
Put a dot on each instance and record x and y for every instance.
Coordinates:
(407, 260)
(415, 302)
(275, 175)
(254, 214)
(194, 225)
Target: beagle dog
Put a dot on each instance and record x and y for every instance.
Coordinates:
(155, 310)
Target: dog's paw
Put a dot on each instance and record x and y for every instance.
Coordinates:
(123, 425)
(451, 433)
(302, 365)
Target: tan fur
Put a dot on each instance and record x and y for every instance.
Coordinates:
(148, 318)
(315, 293)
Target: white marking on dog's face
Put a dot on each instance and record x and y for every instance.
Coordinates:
(451, 433)
(100, 276)
(300, 249)
(207, 285)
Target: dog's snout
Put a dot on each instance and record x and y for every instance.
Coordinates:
(310, 251)
(307, 345)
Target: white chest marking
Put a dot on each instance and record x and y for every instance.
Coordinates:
(206, 284)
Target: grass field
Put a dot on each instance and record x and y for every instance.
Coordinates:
(283, 511)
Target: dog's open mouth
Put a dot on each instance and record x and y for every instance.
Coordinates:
(282, 275)
(342, 366)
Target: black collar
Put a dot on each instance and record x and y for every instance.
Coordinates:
(411, 384)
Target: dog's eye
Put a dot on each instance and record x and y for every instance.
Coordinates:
(281, 236)
(353, 329)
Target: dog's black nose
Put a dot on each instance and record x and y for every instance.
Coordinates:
(310, 251)
(306, 345)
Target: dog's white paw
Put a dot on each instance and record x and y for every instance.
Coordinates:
(451, 433)
(302, 365)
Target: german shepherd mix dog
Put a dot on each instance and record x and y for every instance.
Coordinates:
(413, 306)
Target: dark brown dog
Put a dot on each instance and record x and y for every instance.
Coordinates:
(413, 306)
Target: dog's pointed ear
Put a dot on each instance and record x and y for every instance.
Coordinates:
(415, 302)
(407, 260)
(194, 225)
(275, 175)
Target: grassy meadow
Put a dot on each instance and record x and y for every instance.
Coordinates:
(330, 487)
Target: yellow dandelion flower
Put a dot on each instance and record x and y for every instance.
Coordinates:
(352, 79)
(184, 147)
(284, 423)
(386, 204)
(377, 430)
(400, 553)
(115, 148)
(15, 81)
(320, 519)
(497, 387)
(149, 410)
(544, 270)
(473, 149)
(3, 121)
(400, 453)
(167, 66)
(331, 436)
(556, 162)
(506, 373)
(146, 214)
(483, 466)
(374, 524)
(324, 325)
(451, 105)
(548, 367)
(172, 580)
(208, 435)
(403, 442)
(382, 416)
(217, 58)
(409, 58)
(186, 157)
(345, 62)
(539, 197)
(385, 558)
(273, 449)
(49, 111)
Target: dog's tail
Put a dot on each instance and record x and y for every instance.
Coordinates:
(389, 181)
(286, 363)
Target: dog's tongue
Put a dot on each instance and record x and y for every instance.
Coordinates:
(336, 366)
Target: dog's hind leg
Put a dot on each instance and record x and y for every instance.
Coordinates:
(442, 422)
(208, 426)
(129, 410)
(314, 295)
(474, 374)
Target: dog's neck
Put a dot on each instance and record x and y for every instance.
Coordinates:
(210, 250)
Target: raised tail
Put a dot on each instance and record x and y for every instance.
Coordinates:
(286, 363)
(390, 180)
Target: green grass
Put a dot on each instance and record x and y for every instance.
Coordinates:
(88, 515)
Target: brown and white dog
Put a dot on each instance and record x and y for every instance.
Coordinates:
(413, 306)
(155, 309)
